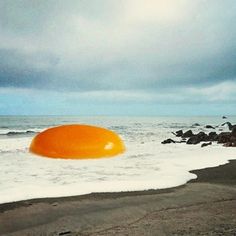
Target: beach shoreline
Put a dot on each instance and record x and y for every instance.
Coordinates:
(207, 203)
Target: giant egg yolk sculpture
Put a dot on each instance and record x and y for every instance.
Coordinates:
(77, 142)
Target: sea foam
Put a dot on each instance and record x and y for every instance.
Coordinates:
(147, 164)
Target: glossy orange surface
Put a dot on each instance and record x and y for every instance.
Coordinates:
(77, 142)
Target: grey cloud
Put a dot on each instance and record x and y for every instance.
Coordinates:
(73, 45)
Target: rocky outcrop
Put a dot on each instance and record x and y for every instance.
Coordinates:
(228, 139)
(195, 139)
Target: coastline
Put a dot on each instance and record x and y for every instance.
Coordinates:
(206, 205)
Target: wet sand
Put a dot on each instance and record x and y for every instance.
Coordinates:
(205, 206)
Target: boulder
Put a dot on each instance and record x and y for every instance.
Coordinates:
(202, 136)
(206, 144)
(213, 136)
(196, 124)
(179, 133)
(233, 133)
(230, 144)
(224, 137)
(187, 134)
(195, 139)
(224, 117)
(209, 127)
(232, 138)
(169, 140)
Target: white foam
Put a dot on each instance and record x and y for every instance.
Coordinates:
(14, 145)
(26, 176)
(146, 164)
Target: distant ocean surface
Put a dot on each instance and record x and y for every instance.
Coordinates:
(147, 164)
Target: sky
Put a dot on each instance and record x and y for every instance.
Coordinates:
(126, 57)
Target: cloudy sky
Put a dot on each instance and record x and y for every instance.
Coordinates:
(118, 57)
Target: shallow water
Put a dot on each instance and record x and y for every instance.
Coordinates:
(147, 164)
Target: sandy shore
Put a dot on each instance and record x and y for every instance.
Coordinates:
(206, 206)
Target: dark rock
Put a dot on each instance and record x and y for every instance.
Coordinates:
(179, 133)
(202, 136)
(169, 140)
(233, 133)
(209, 127)
(213, 136)
(65, 232)
(187, 134)
(196, 124)
(30, 132)
(20, 132)
(212, 133)
(224, 117)
(193, 140)
(224, 137)
(227, 138)
(206, 144)
(230, 144)
(231, 127)
(232, 138)
(226, 123)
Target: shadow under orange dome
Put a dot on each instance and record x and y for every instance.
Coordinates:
(77, 142)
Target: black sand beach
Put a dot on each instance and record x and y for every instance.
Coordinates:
(205, 206)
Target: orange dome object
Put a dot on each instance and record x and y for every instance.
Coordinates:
(77, 142)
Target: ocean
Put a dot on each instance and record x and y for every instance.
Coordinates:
(146, 164)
